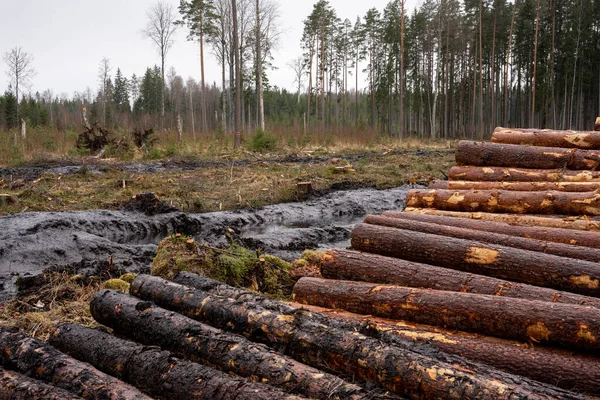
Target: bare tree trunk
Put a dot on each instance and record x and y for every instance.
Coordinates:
(203, 104)
(535, 48)
(481, 118)
(401, 96)
(310, 75)
(238, 76)
(259, 71)
(510, 35)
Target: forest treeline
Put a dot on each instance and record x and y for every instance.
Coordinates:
(447, 69)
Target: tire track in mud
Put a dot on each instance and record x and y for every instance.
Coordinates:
(88, 241)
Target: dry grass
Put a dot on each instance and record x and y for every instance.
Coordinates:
(63, 298)
(224, 188)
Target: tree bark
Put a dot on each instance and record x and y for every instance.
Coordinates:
(563, 325)
(518, 156)
(14, 386)
(519, 186)
(439, 184)
(557, 235)
(41, 361)
(152, 325)
(155, 371)
(356, 266)
(548, 138)
(569, 371)
(238, 77)
(326, 343)
(505, 201)
(541, 246)
(581, 223)
(561, 273)
(501, 174)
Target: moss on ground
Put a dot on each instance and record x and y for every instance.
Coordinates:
(235, 265)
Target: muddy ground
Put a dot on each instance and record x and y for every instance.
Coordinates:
(99, 242)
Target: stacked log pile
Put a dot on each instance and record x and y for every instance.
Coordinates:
(473, 292)
(499, 265)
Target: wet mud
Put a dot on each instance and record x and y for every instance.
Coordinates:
(92, 242)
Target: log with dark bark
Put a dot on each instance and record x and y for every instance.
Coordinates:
(330, 344)
(557, 235)
(547, 138)
(577, 223)
(539, 269)
(486, 154)
(152, 325)
(14, 386)
(155, 371)
(565, 369)
(503, 174)
(504, 201)
(522, 186)
(562, 325)
(38, 360)
(356, 266)
(558, 249)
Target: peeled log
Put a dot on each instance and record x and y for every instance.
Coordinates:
(38, 360)
(557, 235)
(522, 186)
(230, 353)
(485, 154)
(156, 371)
(352, 265)
(547, 138)
(14, 386)
(577, 372)
(547, 270)
(581, 223)
(503, 174)
(563, 325)
(504, 201)
(558, 249)
(326, 343)
(597, 125)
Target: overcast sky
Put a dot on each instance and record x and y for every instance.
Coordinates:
(68, 38)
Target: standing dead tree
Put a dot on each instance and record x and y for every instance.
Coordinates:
(20, 72)
(160, 30)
